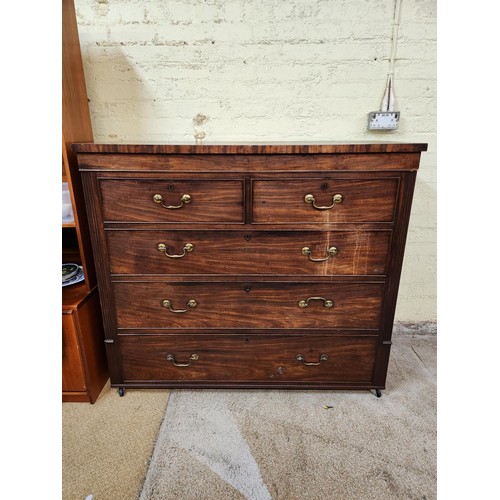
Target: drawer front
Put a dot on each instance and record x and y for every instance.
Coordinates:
(247, 358)
(248, 305)
(223, 252)
(133, 200)
(329, 201)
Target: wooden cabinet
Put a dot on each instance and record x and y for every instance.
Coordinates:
(84, 366)
(249, 266)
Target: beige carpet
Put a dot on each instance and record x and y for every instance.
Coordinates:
(107, 446)
(223, 444)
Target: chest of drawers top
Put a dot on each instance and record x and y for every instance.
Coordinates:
(212, 158)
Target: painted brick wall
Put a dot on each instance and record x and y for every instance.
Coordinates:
(268, 70)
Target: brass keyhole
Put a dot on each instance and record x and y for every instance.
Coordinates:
(248, 237)
(324, 186)
(170, 187)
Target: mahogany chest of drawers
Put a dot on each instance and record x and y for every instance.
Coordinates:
(273, 266)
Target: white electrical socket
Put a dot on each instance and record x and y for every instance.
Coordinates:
(383, 120)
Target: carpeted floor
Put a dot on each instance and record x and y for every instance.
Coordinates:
(218, 444)
(107, 446)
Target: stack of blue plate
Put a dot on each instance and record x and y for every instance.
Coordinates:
(71, 274)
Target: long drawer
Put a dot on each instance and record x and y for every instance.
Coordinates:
(253, 252)
(164, 201)
(237, 305)
(324, 200)
(247, 358)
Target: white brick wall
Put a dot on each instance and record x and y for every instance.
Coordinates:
(268, 70)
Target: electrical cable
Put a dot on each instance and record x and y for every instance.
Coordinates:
(388, 99)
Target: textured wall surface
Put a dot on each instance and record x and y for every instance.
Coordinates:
(182, 71)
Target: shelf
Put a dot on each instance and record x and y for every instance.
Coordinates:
(74, 295)
(84, 366)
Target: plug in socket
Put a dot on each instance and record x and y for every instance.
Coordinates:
(383, 120)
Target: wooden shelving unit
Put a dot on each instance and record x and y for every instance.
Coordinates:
(84, 366)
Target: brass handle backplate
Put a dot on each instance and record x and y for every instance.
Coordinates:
(185, 199)
(171, 358)
(300, 357)
(326, 303)
(168, 304)
(330, 253)
(337, 198)
(188, 247)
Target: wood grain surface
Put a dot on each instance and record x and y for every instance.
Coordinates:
(248, 252)
(252, 149)
(286, 164)
(248, 305)
(367, 200)
(245, 358)
(73, 376)
(131, 200)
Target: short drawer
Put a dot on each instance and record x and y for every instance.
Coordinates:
(241, 358)
(252, 253)
(158, 200)
(237, 305)
(324, 200)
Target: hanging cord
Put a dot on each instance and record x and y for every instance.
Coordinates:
(395, 34)
(388, 99)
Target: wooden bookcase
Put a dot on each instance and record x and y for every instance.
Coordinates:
(84, 366)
